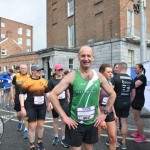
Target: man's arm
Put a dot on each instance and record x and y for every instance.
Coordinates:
(12, 93)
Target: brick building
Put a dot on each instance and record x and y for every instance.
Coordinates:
(16, 60)
(110, 27)
(21, 33)
(15, 44)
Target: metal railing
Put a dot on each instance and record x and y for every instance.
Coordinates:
(6, 109)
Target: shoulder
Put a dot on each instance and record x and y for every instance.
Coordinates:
(69, 78)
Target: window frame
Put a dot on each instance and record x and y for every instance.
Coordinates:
(28, 32)
(70, 8)
(3, 52)
(71, 43)
(20, 41)
(20, 30)
(28, 42)
(71, 64)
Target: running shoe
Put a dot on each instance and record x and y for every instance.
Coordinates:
(19, 128)
(135, 134)
(55, 141)
(40, 146)
(65, 144)
(107, 143)
(123, 146)
(140, 138)
(25, 134)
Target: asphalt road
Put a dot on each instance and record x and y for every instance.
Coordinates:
(12, 139)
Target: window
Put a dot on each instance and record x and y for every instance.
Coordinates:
(54, 16)
(71, 64)
(28, 32)
(28, 42)
(5, 68)
(20, 41)
(130, 58)
(3, 52)
(70, 7)
(28, 50)
(2, 36)
(20, 30)
(71, 36)
(2, 24)
(130, 23)
(13, 67)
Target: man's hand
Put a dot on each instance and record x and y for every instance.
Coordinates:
(49, 106)
(12, 101)
(99, 119)
(23, 112)
(70, 122)
(103, 125)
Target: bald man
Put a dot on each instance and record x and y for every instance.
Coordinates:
(17, 82)
(84, 114)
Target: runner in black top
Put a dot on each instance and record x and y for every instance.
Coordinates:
(63, 99)
(125, 90)
(138, 102)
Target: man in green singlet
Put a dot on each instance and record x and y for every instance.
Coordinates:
(85, 116)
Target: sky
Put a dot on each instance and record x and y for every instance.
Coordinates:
(31, 12)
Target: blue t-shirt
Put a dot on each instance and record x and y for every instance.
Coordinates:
(6, 78)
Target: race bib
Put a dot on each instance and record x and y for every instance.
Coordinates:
(61, 96)
(86, 113)
(105, 100)
(38, 100)
(25, 96)
(9, 81)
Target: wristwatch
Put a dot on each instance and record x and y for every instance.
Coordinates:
(105, 112)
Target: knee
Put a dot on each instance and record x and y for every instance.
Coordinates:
(136, 118)
(112, 139)
(32, 128)
(40, 126)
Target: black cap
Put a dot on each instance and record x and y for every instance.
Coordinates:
(36, 67)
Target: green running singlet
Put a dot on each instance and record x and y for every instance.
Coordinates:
(84, 106)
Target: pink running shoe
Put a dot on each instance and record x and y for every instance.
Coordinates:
(135, 134)
(140, 138)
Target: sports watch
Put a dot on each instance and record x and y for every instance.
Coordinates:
(105, 112)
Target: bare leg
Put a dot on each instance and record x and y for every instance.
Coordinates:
(124, 129)
(138, 121)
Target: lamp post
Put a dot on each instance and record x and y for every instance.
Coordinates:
(110, 26)
(143, 45)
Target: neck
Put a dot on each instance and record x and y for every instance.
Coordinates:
(58, 77)
(139, 74)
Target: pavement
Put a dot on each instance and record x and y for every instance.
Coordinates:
(12, 139)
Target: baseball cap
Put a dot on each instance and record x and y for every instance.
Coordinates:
(36, 67)
(58, 67)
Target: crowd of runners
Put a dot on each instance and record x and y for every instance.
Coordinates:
(85, 100)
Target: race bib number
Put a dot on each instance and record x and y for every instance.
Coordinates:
(38, 100)
(25, 96)
(105, 100)
(61, 96)
(9, 81)
(86, 113)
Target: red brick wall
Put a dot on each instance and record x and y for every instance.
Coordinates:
(18, 60)
(13, 26)
(92, 20)
(11, 47)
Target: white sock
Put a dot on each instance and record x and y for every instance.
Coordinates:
(26, 129)
(63, 137)
(56, 135)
